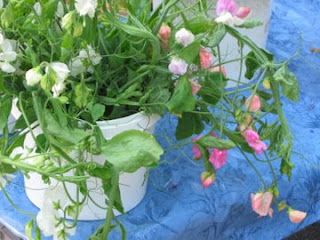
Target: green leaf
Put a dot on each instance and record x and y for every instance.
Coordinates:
(211, 90)
(213, 142)
(82, 93)
(28, 229)
(217, 35)
(252, 63)
(49, 9)
(289, 83)
(107, 186)
(188, 125)
(99, 171)
(286, 168)
(199, 24)
(251, 23)
(191, 52)
(5, 110)
(131, 150)
(97, 111)
(182, 99)
(67, 41)
(158, 95)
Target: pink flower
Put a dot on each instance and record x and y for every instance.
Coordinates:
(195, 86)
(184, 37)
(221, 69)
(196, 150)
(261, 203)
(253, 139)
(207, 179)
(296, 216)
(218, 158)
(205, 58)
(165, 32)
(178, 66)
(253, 103)
(229, 13)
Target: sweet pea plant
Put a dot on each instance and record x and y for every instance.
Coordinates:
(68, 64)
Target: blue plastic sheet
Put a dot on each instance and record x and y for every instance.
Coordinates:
(178, 207)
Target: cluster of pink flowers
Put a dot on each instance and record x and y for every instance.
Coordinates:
(218, 158)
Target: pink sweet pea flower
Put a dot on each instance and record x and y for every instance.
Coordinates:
(229, 13)
(261, 203)
(296, 216)
(221, 69)
(197, 154)
(207, 179)
(253, 103)
(218, 158)
(253, 139)
(205, 58)
(178, 66)
(195, 87)
(184, 37)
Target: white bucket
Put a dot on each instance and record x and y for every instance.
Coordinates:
(132, 185)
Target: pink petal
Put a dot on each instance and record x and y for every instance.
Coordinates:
(226, 6)
(261, 203)
(297, 216)
(205, 58)
(221, 69)
(243, 12)
(218, 158)
(251, 136)
(196, 152)
(253, 103)
(195, 87)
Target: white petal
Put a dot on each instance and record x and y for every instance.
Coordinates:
(62, 71)
(8, 56)
(58, 88)
(86, 7)
(1, 37)
(60, 10)
(225, 18)
(33, 76)
(37, 8)
(1, 4)
(6, 46)
(7, 67)
(77, 67)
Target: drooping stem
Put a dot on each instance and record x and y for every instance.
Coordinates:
(107, 225)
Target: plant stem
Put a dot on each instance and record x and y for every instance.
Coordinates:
(106, 228)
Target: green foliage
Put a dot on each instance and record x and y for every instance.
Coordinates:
(142, 150)
(213, 142)
(253, 64)
(182, 99)
(288, 82)
(212, 88)
(82, 93)
(251, 23)
(188, 125)
(286, 168)
(5, 110)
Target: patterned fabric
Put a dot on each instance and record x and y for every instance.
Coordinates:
(178, 207)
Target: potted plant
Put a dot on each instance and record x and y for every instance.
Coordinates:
(86, 78)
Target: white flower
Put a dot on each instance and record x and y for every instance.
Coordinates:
(230, 20)
(60, 10)
(184, 37)
(58, 88)
(33, 76)
(7, 55)
(84, 62)
(48, 215)
(178, 66)
(1, 37)
(37, 8)
(61, 71)
(90, 54)
(1, 4)
(86, 7)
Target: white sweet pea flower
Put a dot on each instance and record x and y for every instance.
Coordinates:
(58, 88)
(61, 71)
(7, 55)
(184, 37)
(1, 4)
(84, 62)
(60, 10)
(178, 66)
(48, 215)
(86, 7)
(37, 8)
(34, 76)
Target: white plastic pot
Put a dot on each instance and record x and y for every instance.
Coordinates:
(132, 185)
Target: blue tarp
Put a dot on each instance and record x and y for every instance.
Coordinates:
(178, 207)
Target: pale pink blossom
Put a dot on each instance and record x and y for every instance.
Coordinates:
(207, 179)
(195, 86)
(253, 103)
(229, 13)
(185, 37)
(197, 154)
(221, 69)
(296, 216)
(178, 66)
(261, 203)
(253, 140)
(218, 157)
(205, 58)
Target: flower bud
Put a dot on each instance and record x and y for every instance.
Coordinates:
(266, 84)
(253, 103)
(207, 179)
(34, 76)
(165, 32)
(68, 20)
(296, 216)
